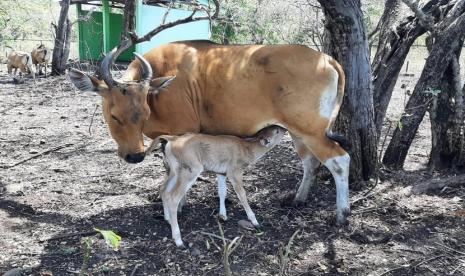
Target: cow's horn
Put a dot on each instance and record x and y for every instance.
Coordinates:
(105, 68)
(146, 68)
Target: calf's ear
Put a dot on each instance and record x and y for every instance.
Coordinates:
(85, 82)
(158, 84)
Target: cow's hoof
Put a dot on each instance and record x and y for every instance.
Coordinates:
(180, 245)
(290, 200)
(341, 217)
(222, 217)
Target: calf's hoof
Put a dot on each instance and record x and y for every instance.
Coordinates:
(180, 245)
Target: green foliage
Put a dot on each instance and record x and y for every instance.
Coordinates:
(372, 12)
(111, 238)
(25, 19)
(266, 22)
(432, 92)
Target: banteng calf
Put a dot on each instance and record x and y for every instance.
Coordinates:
(22, 61)
(187, 156)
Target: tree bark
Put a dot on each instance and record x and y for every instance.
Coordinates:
(129, 21)
(447, 123)
(62, 40)
(446, 43)
(346, 41)
(394, 45)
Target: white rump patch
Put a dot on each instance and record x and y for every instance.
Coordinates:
(328, 98)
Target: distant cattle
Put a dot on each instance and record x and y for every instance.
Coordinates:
(22, 61)
(40, 58)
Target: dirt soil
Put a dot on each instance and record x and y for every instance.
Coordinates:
(61, 177)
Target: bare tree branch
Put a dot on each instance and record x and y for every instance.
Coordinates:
(131, 38)
(426, 20)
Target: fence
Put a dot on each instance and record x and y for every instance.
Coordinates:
(413, 64)
(27, 45)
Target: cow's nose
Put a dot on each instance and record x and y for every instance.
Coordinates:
(134, 157)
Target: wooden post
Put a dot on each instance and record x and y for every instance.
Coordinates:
(82, 54)
(138, 23)
(106, 26)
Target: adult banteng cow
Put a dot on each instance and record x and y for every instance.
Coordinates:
(234, 90)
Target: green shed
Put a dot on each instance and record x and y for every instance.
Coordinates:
(100, 29)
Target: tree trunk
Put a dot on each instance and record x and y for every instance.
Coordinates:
(447, 123)
(62, 40)
(446, 43)
(394, 45)
(346, 41)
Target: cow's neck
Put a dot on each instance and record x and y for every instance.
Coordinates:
(172, 112)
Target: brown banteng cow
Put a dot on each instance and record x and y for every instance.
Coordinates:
(235, 90)
(40, 58)
(22, 61)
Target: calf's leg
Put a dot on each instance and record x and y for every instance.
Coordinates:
(236, 181)
(173, 194)
(222, 192)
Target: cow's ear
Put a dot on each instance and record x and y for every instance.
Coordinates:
(158, 84)
(85, 82)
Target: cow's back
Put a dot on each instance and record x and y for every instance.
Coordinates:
(239, 89)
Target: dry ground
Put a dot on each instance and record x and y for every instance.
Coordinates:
(48, 204)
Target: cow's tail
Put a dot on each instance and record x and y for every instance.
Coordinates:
(339, 138)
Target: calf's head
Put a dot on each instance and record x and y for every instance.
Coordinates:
(124, 104)
(270, 136)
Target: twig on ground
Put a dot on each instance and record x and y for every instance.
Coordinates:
(435, 184)
(37, 155)
(59, 237)
(450, 248)
(214, 236)
(412, 265)
(92, 119)
(135, 269)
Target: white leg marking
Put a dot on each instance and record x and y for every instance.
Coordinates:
(310, 163)
(328, 98)
(339, 168)
(222, 192)
(173, 210)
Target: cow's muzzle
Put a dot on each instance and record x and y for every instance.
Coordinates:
(134, 157)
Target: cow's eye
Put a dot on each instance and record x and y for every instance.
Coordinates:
(116, 120)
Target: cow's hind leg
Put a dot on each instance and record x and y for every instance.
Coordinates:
(336, 159)
(310, 163)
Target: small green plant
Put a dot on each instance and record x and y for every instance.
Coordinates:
(284, 252)
(86, 246)
(432, 92)
(111, 238)
(228, 249)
